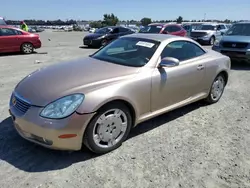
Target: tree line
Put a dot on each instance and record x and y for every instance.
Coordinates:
(108, 20)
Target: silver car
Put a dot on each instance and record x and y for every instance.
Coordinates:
(207, 33)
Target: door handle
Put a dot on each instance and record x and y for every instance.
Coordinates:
(200, 67)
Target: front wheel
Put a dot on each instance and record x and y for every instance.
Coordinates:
(212, 40)
(108, 129)
(27, 48)
(217, 89)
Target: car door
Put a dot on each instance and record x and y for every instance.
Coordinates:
(172, 85)
(217, 31)
(124, 31)
(9, 40)
(114, 33)
(178, 31)
(167, 30)
(223, 29)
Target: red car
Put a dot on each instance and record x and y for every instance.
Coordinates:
(172, 29)
(16, 40)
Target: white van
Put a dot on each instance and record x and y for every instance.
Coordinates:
(2, 21)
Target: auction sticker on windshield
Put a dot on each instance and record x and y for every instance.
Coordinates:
(145, 44)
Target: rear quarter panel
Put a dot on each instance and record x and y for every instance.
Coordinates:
(215, 64)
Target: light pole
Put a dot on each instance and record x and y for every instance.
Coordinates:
(204, 17)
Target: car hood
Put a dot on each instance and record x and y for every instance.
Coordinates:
(93, 36)
(50, 83)
(202, 31)
(234, 38)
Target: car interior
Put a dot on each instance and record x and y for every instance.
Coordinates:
(183, 52)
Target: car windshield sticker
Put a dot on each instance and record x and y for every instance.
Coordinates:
(159, 26)
(145, 44)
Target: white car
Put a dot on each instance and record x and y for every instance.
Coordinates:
(92, 30)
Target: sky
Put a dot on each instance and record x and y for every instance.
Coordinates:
(125, 9)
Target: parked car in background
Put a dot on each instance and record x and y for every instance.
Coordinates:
(208, 32)
(78, 28)
(134, 28)
(235, 43)
(104, 35)
(16, 40)
(38, 29)
(228, 26)
(68, 28)
(172, 29)
(35, 29)
(190, 27)
(92, 30)
(2, 21)
(32, 30)
(130, 80)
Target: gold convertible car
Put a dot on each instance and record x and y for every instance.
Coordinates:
(96, 101)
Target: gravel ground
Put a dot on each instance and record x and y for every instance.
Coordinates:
(195, 146)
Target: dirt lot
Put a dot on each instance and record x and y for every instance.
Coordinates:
(195, 146)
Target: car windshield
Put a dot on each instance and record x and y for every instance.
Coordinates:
(205, 27)
(151, 29)
(129, 51)
(239, 29)
(103, 30)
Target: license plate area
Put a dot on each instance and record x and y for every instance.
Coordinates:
(233, 53)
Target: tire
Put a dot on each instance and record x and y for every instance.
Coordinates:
(27, 48)
(104, 132)
(216, 90)
(211, 41)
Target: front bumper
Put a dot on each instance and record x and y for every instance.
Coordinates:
(46, 132)
(201, 40)
(92, 42)
(234, 54)
(37, 44)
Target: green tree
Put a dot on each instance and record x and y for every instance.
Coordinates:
(179, 20)
(95, 24)
(110, 20)
(146, 21)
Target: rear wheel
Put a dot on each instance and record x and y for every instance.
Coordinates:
(108, 129)
(217, 89)
(27, 48)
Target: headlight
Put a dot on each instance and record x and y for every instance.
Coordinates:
(62, 107)
(216, 43)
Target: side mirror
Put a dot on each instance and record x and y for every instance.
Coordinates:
(169, 62)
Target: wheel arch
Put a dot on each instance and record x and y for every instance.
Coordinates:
(225, 75)
(26, 42)
(124, 102)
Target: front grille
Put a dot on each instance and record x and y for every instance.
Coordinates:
(198, 34)
(233, 52)
(20, 105)
(234, 44)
